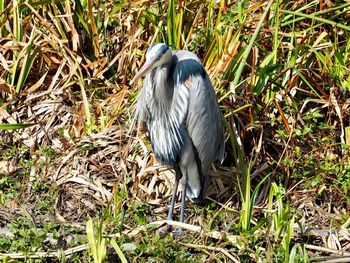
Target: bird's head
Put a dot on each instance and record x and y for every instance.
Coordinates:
(157, 55)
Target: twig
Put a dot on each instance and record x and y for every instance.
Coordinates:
(213, 234)
(49, 254)
(197, 229)
(332, 259)
(328, 250)
(217, 249)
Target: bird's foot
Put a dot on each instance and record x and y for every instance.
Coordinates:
(164, 231)
(178, 232)
(167, 229)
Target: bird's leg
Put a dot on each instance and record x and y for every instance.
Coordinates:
(173, 198)
(204, 189)
(178, 176)
(183, 198)
(183, 203)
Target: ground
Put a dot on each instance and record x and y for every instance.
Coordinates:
(79, 181)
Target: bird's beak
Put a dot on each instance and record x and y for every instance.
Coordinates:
(143, 71)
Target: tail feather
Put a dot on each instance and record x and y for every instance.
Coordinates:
(190, 164)
(194, 184)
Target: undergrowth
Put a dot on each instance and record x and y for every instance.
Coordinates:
(78, 182)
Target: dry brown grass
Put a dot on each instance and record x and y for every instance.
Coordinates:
(78, 96)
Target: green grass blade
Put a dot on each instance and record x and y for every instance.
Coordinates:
(234, 83)
(321, 12)
(30, 56)
(246, 202)
(17, 22)
(14, 126)
(86, 105)
(320, 19)
(119, 251)
(2, 17)
(91, 239)
(171, 26)
(179, 24)
(293, 253)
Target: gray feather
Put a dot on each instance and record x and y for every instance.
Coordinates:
(179, 105)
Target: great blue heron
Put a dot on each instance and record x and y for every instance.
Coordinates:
(179, 105)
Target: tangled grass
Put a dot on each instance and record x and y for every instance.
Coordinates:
(78, 182)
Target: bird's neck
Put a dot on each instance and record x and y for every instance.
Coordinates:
(162, 89)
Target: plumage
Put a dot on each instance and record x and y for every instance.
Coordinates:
(179, 105)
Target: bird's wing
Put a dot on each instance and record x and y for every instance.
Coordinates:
(203, 119)
(185, 55)
(204, 122)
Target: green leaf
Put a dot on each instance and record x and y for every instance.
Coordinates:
(119, 251)
(14, 126)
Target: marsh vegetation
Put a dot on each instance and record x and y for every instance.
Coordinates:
(79, 183)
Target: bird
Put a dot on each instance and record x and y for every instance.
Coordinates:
(179, 106)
